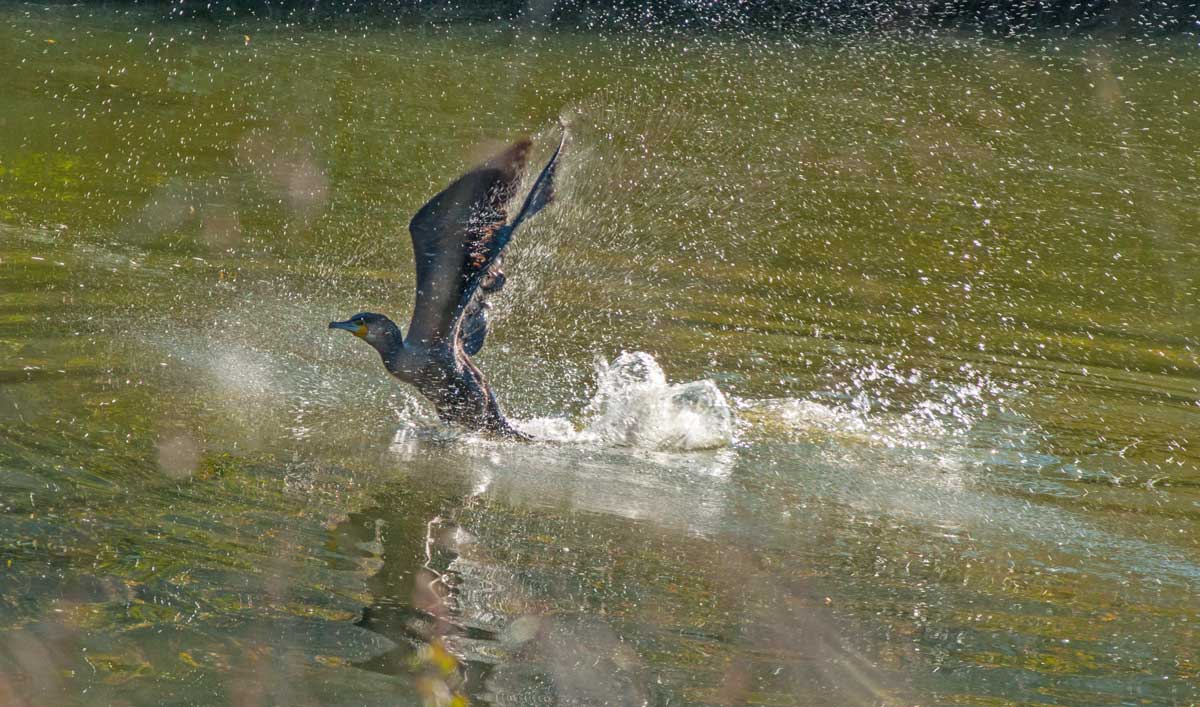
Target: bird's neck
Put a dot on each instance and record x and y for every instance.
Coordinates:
(391, 344)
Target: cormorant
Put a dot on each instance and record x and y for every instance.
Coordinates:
(458, 240)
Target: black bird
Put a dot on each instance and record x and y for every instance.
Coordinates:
(458, 240)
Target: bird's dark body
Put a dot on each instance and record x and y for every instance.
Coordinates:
(451, 381)
(458, 242)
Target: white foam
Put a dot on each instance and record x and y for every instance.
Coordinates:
(635, 406)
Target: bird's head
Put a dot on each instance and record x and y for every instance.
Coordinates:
(376, 329)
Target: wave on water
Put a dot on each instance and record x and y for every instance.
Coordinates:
(635, 406)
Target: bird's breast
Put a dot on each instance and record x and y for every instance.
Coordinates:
(421, 367)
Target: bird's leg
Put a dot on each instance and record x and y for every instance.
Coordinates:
(494, 280)
(501, 428)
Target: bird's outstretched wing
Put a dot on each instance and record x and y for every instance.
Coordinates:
(475, 251)
(542, 192)
(455, 240)
(474, 327)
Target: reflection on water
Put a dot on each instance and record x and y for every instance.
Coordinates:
(912, 418)
(542, 589)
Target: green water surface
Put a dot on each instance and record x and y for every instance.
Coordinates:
(949, 285)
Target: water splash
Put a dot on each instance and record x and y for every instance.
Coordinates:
(635, 406)
(888, 407)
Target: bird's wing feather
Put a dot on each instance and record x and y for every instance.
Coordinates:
(474, 328)
(456, 237)
(542, 193)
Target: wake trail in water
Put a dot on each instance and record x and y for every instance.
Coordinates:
(887, 407)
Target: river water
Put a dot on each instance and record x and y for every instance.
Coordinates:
(864, 370)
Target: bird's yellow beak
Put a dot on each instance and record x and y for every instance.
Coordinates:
(359, 330)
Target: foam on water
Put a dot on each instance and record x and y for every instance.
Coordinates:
(635, 406)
